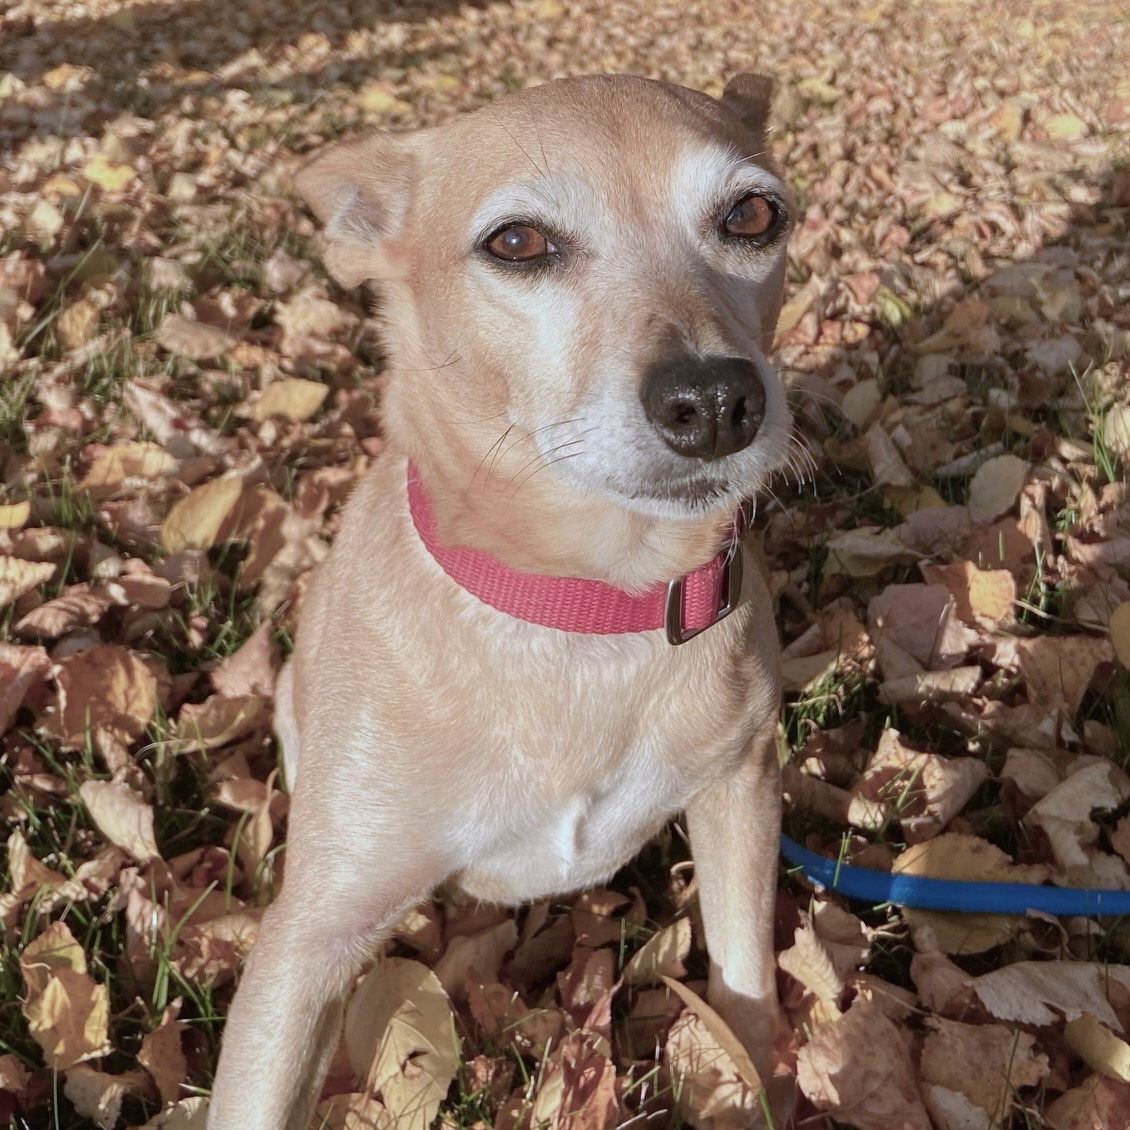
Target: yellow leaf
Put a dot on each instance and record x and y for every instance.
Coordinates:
(293, 398)
(195, 521)
(1116, 430)
(66, 1010)
(1099, 1047)
(378, 99)
(996, 484)
(662, 955)
(113, 465)
(14, 515)
(106, 175)
(1065, 127)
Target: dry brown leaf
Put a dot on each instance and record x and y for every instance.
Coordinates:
(22, 670)
(810, 963)
(865, 552)
(919, 621)
(711, 1090)
(29, 876)
(67, 1012)
(162, 1056)
(400, 1035)
(1096, 1104)
(218, 721)
(1065, 816)
(107, 694)
(291, 397)
(122, 817)
(957, 856)
(661, 956)
(483, 952)
(984, 597)
(195, 521)
(308, 314)
(996, 485)
(986, 1063)
(195, 340)
(1038, 992)
(1120, 632)
(97, 1095)
(1059, 669)
(251, 669)
(115, 466)
(18, 577)
(929, 790)
(720, 1032)
(78, 606)
(857, 1067)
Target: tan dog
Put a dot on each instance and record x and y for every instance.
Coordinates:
(579, 285)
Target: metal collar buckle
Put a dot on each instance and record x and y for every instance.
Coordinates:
(730, 589)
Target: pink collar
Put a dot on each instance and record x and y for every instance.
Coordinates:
(684, 607)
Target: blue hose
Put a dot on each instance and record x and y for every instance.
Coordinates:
(951, 894)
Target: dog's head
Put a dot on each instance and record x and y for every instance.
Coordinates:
(579, 285)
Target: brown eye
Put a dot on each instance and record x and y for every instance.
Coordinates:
(751, 217)
(518, 243)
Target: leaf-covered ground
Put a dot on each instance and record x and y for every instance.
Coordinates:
(185, 401)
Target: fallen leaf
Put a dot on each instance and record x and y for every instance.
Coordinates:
(122, 817)
(22, 670)
(1038, 992)
(1098, 1047)
(984, 597)
(78, 606)
(1058, 669)
(116, 465)
(996, 485)
(954, 855)
(162, 1056)
(1065, 816)
(250, 670)
(98, 1095)
(857, 1067)
(661, 956)
(105, 694)
(1119, 633)
(107, 175)
(400, 1035)
(197, 341)
(293, 398)
(865, 552)
(188, 1114)
(18, 577)
(218, 721)
(987, 1063)
(66, 1011)
(195, 521)
(711, 1091)
(1096, 1104)
(14, 514)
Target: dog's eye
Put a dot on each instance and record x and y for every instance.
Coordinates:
(519, 243)
(752, 217)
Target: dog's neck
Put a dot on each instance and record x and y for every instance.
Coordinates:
(544, 525)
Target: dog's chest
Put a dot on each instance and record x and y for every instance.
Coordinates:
(569, 803)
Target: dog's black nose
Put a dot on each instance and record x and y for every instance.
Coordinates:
(704, 407)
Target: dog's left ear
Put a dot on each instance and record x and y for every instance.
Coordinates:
(747, 97)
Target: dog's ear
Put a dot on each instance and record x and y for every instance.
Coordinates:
(747, 97)
(360, 190)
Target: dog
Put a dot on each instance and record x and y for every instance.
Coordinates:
(533, 641)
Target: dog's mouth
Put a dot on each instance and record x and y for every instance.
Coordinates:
(696, 494)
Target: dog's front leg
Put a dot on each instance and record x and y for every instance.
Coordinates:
(734, 827)
(284, 1020)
